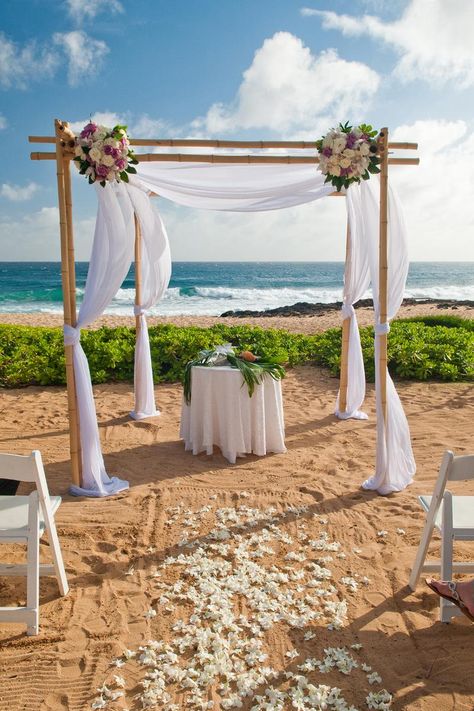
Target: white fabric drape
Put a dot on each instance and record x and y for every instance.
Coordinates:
(112, 253)
(235, 187)
(395, 464)
(155, 276)
(356, 282)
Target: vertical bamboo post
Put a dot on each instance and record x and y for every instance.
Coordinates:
(66, 238)
(383, 265)
(346, 324)
(138, 273)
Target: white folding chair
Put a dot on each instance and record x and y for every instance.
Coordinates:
(24, 519)
(453, 516)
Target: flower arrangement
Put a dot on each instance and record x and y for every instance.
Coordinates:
(251, 366)
(348, 154)
(103, 154)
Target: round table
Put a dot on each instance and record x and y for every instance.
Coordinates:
(222, 413)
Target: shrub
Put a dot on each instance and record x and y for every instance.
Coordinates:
(419, 349)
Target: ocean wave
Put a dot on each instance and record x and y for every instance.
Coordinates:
(212, 301)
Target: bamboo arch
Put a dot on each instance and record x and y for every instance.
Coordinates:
(64, 153)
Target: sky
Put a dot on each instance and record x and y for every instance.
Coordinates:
(241, 69)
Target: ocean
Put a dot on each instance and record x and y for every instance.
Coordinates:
(210, 288)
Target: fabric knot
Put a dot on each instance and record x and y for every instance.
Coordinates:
(347, 311)
(72, 335)
(382, 328)
(138, 310)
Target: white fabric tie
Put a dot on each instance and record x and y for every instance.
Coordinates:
(138, 310)
(348, 311)
(382, 328)
(72, 336)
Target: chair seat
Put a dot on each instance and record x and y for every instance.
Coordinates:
(14, 514)
(463, 508)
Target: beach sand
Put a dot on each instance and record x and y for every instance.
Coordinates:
(425, 664)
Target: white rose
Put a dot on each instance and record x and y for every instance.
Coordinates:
(78, 151)
(364, 149)
(349, 153)
(339, 144)
(111, 142)
(95, 154)
(335, 170)
(111, 176)
(99, 135)
(328, 142)
(107, 160)
(344, 162)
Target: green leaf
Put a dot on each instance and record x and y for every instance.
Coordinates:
(102, 182)
(131, 169)
(124, 176)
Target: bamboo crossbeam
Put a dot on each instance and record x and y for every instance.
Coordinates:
(203, 143)
(210, 158)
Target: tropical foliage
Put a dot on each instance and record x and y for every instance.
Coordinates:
(420, 349)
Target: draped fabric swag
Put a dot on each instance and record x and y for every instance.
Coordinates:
(238, 188)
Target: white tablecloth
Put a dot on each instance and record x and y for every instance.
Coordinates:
(222, 413)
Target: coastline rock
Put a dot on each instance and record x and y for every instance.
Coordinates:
(304, 308)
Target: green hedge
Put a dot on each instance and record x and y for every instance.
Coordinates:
(419, 349)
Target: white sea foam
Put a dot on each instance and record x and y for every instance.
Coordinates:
(212, 301)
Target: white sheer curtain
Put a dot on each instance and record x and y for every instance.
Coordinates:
(235, 187)
(155, 277)
(356, 282)
(112, 253)
(395, 464)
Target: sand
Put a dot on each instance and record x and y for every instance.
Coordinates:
(424, 664)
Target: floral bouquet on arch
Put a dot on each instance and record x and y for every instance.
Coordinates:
(348, 154)
(103, 154)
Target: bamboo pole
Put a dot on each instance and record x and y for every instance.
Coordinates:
(68, 317)
(346, 324)
(214, 158)
(138, 273)
(383, 266)
(202, 143)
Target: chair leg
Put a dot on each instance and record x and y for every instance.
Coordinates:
(32, 582)
(445, 607)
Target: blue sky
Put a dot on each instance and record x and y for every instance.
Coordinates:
(238, 69)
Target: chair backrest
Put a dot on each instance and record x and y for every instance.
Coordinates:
(461, 468)
(26, 468)
(19, 467)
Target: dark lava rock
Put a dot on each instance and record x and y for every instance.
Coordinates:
(305, 309)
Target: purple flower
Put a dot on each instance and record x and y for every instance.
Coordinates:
(102, 171)
(88, 130)
(345, 171)
(108, 150)
(327, 152)
(351, 139)
(121, 164)
(115, 153)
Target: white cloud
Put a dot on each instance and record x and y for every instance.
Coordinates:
(81, 10)
(104, 118)
(3, 122)
(16, 193)
(85, 54)
(437, 195)
(35, 236)
(432, 37)
(19, 66)
(287, 88)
